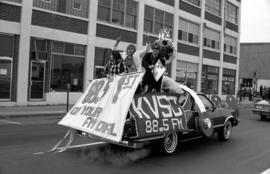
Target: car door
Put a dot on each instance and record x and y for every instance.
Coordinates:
(217, 115)
(188, 106)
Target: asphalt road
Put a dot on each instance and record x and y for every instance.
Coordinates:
(24, 143)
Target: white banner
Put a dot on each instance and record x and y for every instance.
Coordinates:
(102, 109)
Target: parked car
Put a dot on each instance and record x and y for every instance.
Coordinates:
(262, 109)
(215, 120)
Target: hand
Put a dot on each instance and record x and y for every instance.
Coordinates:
(151, 66)
(147, 38)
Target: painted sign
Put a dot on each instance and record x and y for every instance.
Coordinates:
(102, 109)
(156, 113)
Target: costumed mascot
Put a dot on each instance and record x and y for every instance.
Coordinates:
(168, 51)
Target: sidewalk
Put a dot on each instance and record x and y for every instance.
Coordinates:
(28, 111)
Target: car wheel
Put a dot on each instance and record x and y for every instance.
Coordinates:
(225, 133)
(205, 125)
(263, 117)
(169, 143)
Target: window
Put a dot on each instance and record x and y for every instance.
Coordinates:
(155, 20)
(194, 2)
(67, 66)
(230, 45)
(213, 6)
(148, 19)
(6, 45)
(5, 78)
(187, 73)
(120, 12)
(188, 32)
(210, 79)
(104, 10)
(72, 7)
(228, 81)
(18, 1)
(39, 49)
(159, 18)
(47, 1)
(131, 15)
(211, 39)
(231, 13)
(101, 59)
(77, 5)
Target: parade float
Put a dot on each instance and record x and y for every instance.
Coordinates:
(110, 110)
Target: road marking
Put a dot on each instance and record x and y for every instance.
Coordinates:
(266, 171)
(72, 147)
(11, 122)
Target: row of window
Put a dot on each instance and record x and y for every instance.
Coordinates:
(155, 20)
(187, 73)
(120, 12)
(189, 33)
(125, 12)
(214, 7)
(210, 77)
(72, 7)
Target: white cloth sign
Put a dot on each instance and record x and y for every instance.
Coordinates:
(159, 70)
(102, 109)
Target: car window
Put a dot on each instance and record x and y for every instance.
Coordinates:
(185, 101)
(206, 102)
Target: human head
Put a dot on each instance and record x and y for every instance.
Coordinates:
(155, 48)
(131, 48)
(116, 55)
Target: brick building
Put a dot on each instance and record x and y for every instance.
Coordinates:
(45, 44)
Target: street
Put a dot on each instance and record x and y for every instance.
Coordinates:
(25, 142)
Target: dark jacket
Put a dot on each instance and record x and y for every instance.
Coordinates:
(148, 78)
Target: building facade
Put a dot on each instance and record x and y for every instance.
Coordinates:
(47, 44)
(253, 70)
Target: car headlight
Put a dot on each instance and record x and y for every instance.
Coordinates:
(258, 107)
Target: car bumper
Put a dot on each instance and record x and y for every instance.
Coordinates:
(260, 112)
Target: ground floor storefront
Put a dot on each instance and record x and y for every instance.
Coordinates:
(54, 72)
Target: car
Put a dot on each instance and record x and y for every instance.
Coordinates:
(262, 109)
(214, 120)
(110, 111)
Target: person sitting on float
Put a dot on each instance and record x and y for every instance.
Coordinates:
(132, 57)
(116, 64)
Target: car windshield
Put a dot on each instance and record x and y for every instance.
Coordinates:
(206, 101)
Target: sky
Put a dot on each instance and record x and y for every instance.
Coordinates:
(255, 21)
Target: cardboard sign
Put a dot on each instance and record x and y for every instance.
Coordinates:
(157, 113)
(102, 109)
(159, 70)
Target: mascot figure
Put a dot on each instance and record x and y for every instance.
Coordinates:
(167, 48)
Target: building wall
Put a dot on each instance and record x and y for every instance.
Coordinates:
(36, 19)
(254, 59)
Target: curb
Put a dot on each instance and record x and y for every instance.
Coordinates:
(31, 114)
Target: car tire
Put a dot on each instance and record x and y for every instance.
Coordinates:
(169, 143)
(263, 117)
(225, 133)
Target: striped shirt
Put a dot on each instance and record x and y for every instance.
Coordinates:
(114, 68)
